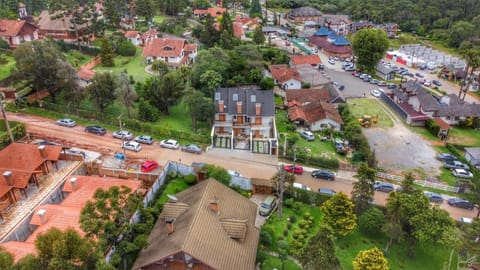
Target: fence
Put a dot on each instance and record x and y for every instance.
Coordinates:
(422, 183)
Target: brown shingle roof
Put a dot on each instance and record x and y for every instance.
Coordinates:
(164, 47)
(12, 28)
(313, 112)
(308, 95)
(285, 74)
(206, 235)
(312, 59)
(49, 22)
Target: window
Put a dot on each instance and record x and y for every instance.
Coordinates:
(235, 97)
(217, 96)
(253, 98)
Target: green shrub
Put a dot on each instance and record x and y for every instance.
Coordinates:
(266, 238)
(288, 202)
(297, 207)
(126, 48)
(292, 219)
(190, 179)
(371, 221)
(432, 127)
(218, 173)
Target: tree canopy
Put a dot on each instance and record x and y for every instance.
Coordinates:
(369, 46)
(339, 214)
(319, 253)
(370, 259)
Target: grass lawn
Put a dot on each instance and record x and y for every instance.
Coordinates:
(76, 58)
(6, 67)
(464, 136)
(174, 186)
(178, 119)
(134, 65)
(272, 262)
(362, 106)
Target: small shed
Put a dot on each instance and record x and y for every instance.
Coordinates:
(385, 73)
(472, 155)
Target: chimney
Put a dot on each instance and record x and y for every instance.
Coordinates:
(239, 107)
(220, 106)
(42, 214)
(258, 108)
(214, 206)
(73, 182)
(41, 149)
(8, 177)
(169, 225)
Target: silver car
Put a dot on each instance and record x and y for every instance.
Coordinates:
(192, 148)
(132, 146)
(66, 122)
(123, 134)
(171, 144)
(145, 139)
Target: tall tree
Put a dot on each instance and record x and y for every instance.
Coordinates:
(102, 90)
(210, 81)
(319, 253)
(280, 181)
(339, 214)
(6, 259)
(227, 39)
(362, 192)
(369, 45)
(125, 92)
(200, 107)
(370, 259)
(408, 183)
(255, 9)
(258, 36)
(472, 56)
(209, 35)
(146, 9)
(106, 53)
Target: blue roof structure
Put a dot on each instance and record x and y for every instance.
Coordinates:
(323, 31)
(341, 41)
(332, 35)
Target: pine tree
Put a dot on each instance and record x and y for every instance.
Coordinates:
(107, 53)
(339, 214)
(319, 253)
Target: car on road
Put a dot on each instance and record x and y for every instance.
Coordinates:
(301, 186)
(391, 86)
(66, 122)
(460, 203)
(267, 206)
(383, 186)
(149, 166)
(376, 93)
(409, 74)
(373, 81)
(132, 146)
(453, 164)
(234, 173)
(331, 61)
(420, 75)
(382, 83)
(461, 173)
(322, 174)
(433, 197)
(296, 169)
(427, 83)
(446, 156)
(437, 82)
(171, 144)
(307, 135)
(145, 139)
(327, 191)
(123, 134)
(192, 148)
(96, 130)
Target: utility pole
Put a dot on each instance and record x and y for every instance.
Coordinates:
(123, 137)
(4, 115)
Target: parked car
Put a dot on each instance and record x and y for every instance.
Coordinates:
(267, 206)
(376, 93)
(123, 134)
(323, 175)
(307, 135)
(171, 144)
(437, 82)
(327, 191)
(446, 156)
(234, 173)
(145, 139)
(420, 75)
(132, 146)
(427, 83)
(391, 86)
(96, 130)
(66, 122)
(382, 83)
(409, 74)
(301, 186)
(466, 220)
(433, 197)
(331, 61)
(461, 203)
(192, 148)
(373, 81)
(149, 166)
(461, 173)
(297, 169)
(453, 164)
(383, 186)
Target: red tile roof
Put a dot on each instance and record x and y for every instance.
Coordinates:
(313, 59)
(214, 11)
(322, 42)
(85, 74)
(19, 249)
(442, 124)
(308, 95)
(238, 29)
(284, 74)
(150, 33)
(190, 47)
(26, 157)
(164, 47)
(313, 112)
(12, 28)
(131, 34)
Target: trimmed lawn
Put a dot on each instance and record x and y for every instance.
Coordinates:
(134, 65)
(76, 58)
(174, 186)
(272, 262)
(363, 106)
(464, 136)
(8, 63)
(178, 119)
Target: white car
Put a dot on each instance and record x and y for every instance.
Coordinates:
(66, 122)
(234, 173)
(376, 93)
(123, 134)
(461, 173)
(171, 144)
(331, 61)
(427, 83)
(132, 146)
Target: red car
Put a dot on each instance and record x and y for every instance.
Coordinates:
(149, 166)
(297, 170)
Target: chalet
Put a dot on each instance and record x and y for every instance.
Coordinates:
(248, 24)
(303, 14)
(134, 37)
(15, 32)
(313, 60)
(384, 72)
(58, 26)
(285, 77)
(338, 23)
(174, 51)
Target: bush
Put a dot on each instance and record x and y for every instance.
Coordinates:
(292, 219)
(432, 127)
(371, 221)
(218, 173)
(126, 48)
(297, 207)
(266, 238)
(190, 179)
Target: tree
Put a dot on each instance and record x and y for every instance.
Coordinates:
(267, 83)
(369, 45)
(472, 56)
(460, 32)
(106, 53)
(210, 81)
(371, 221)
(370, 259)
(258, 36)
(6, 259)
(125, 93)
(256, 9)
(145, 9)
(339, 214)
(102, 90)
(160, 67)
(280, 181)
(126, 48)
(42, 63)
(200, 107)
(319, 253)
(163, 92)
(209, 35)
(362, 193)
(108, 214)
(146, 111)
(408, 183)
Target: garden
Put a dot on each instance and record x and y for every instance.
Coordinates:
(366, 106)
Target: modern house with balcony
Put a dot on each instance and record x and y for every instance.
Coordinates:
(245, 119)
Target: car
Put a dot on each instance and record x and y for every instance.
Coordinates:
(409, 74)
(373, 81)
(446, 156)
(422, 66)
(145, 139)
(433, 197)
(331, 61)
(420, 75)
(132, 146)
(461, 173)
(327, 191)
(234, 173)
(149, 166)
(66, 122)
(460, 203)
(295, 169)
(301, 186)
(427, 83)
(376, 93)
(123, 134)
(96, 130)
(171, 144)
(466, 220)
(267, 206)
(437, 82)
(323, 175)
(192, 148)
(307, 135)
(321, 67)
(383, 186)
(382, 83)
(367, 78)
(391, 86)
(356, 73)
(453, 164)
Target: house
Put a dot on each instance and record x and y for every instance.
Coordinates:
(248, 24)
(213, 11)
(359, 25)
(245, 119)
(175, 52)
(208, 226)
(338, 23)
(328, 93)
(311, 76)
(238, 30)
(150, 35)
(330, 43)
(285, 77)
(15, 32)
(313, 60)
(472, 155)
(79, 189)
(134, 37)
(385, 72)
(303, 14)
(58, 26)
(316, 115)
(86, 75)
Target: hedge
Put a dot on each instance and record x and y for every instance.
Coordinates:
(432, 127)
(305, 196)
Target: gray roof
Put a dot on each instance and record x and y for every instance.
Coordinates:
(428, 102)
(400, 94)
(384, 70)
(414, 87)
(465, 110)
(473, 151)
(249, 96)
